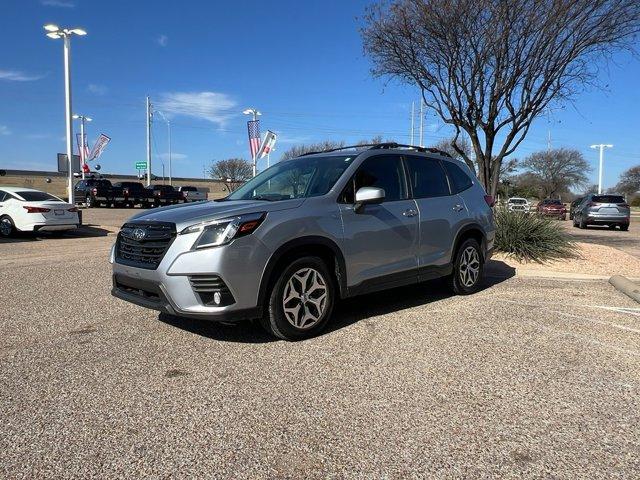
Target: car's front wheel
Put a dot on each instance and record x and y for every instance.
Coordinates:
(301, 300)
(7, 228)
(467, 268)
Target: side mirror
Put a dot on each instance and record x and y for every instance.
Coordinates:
(368, 196)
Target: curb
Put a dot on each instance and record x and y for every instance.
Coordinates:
(626, 286)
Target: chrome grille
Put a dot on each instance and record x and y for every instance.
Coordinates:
(143, 245)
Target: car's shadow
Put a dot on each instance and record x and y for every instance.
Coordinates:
(347, 312)
(85, 231)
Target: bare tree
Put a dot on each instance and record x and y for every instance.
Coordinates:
(555, 171)
(461, 143)
(233, 172)
(629, 181)
(301, 149)
(489, 68)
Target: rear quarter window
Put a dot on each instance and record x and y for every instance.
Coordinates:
(460, 180)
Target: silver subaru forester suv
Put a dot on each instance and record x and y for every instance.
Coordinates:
(288, 244)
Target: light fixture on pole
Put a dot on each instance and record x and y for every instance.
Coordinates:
(83, 119)
(255, 113)
(53, 31)
(601, 146)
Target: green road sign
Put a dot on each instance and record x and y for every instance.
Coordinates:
(141, 165)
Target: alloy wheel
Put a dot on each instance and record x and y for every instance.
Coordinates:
(305, 298)
(5, 227)
(469, 269)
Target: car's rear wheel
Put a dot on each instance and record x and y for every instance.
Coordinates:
(582, 223)
(7, 228)
(301, 300)
(624, 227)
(612, 226)
(467, 268)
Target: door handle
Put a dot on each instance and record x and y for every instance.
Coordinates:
(410, 213)
(457, 207)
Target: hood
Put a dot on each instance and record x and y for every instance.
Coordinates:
(188, 214)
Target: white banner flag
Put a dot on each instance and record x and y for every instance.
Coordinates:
(268, 144)
(100, 145)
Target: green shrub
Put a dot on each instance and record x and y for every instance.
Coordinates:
(531, 237)
(636, 201)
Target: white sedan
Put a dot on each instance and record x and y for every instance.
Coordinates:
(28, 210)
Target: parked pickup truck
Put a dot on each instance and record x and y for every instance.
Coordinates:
(95, 192)
(135, 193)
(165, 195)
(192, 194)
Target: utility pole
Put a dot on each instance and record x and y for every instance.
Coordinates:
(601, 146)
(83, 160)
(548, 131)
(421, 123)
(169, 137)
(148, 141)
(413, 116)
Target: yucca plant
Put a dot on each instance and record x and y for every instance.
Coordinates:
(531, 237)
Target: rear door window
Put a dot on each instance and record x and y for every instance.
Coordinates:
(427, 177)
(460, 180)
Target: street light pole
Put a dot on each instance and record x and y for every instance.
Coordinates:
(53, 31)
(601, 146)
(148, 142)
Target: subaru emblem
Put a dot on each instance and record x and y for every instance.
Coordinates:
(139, 234)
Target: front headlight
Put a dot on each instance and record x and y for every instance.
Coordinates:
(220, 232)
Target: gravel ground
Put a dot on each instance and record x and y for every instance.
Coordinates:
(528, 378)
(629, 241)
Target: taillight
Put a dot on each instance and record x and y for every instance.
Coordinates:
(490, 200)
(95, 191)
(73, 209)
(36, 209)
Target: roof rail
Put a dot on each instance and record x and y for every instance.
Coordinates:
(381, 146)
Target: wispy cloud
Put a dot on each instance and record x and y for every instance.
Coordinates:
(37, 136)
(211, 106)
(97, 89)
(58, 3)
(174, 156)
(284, 138)
(162, 40)
(18, 76)
(4, 130)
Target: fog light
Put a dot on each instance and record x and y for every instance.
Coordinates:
(217, 298)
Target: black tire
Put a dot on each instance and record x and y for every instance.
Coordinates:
(7, 227)
(455, 280)
(563, 218)
(582, 224)
(575, 222)
(278, 323)
(624, 227)
(612, 226)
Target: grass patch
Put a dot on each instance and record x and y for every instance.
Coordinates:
(531, 238)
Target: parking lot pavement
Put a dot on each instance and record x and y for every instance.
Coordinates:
(625, 241)
(529, 377)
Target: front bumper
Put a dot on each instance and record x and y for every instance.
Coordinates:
(168, 288)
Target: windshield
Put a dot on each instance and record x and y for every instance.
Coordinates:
(37, 196)
(298, 178)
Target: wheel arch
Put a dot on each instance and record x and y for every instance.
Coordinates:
(471, 230)
(317, 246)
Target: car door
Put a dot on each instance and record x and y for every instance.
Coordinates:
(380, 241)
(440, 212)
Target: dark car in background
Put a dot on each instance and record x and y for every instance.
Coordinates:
(573, 205)
(552, 208)
(135, 193)
(165, 195)
(610, 210)
(94, 192)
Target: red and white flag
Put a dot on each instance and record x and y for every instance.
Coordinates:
(98, 148)
(268, 144)
(254, 137)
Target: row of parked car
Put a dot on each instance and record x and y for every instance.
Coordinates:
(95, 192)
(610, 210)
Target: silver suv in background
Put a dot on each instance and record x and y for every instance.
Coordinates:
(309, 231)
(611, 210)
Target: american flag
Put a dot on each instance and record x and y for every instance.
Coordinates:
(254, 137)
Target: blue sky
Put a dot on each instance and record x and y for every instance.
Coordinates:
(202, 63)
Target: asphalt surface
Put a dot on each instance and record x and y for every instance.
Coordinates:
(528, 378)
(626, 241)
